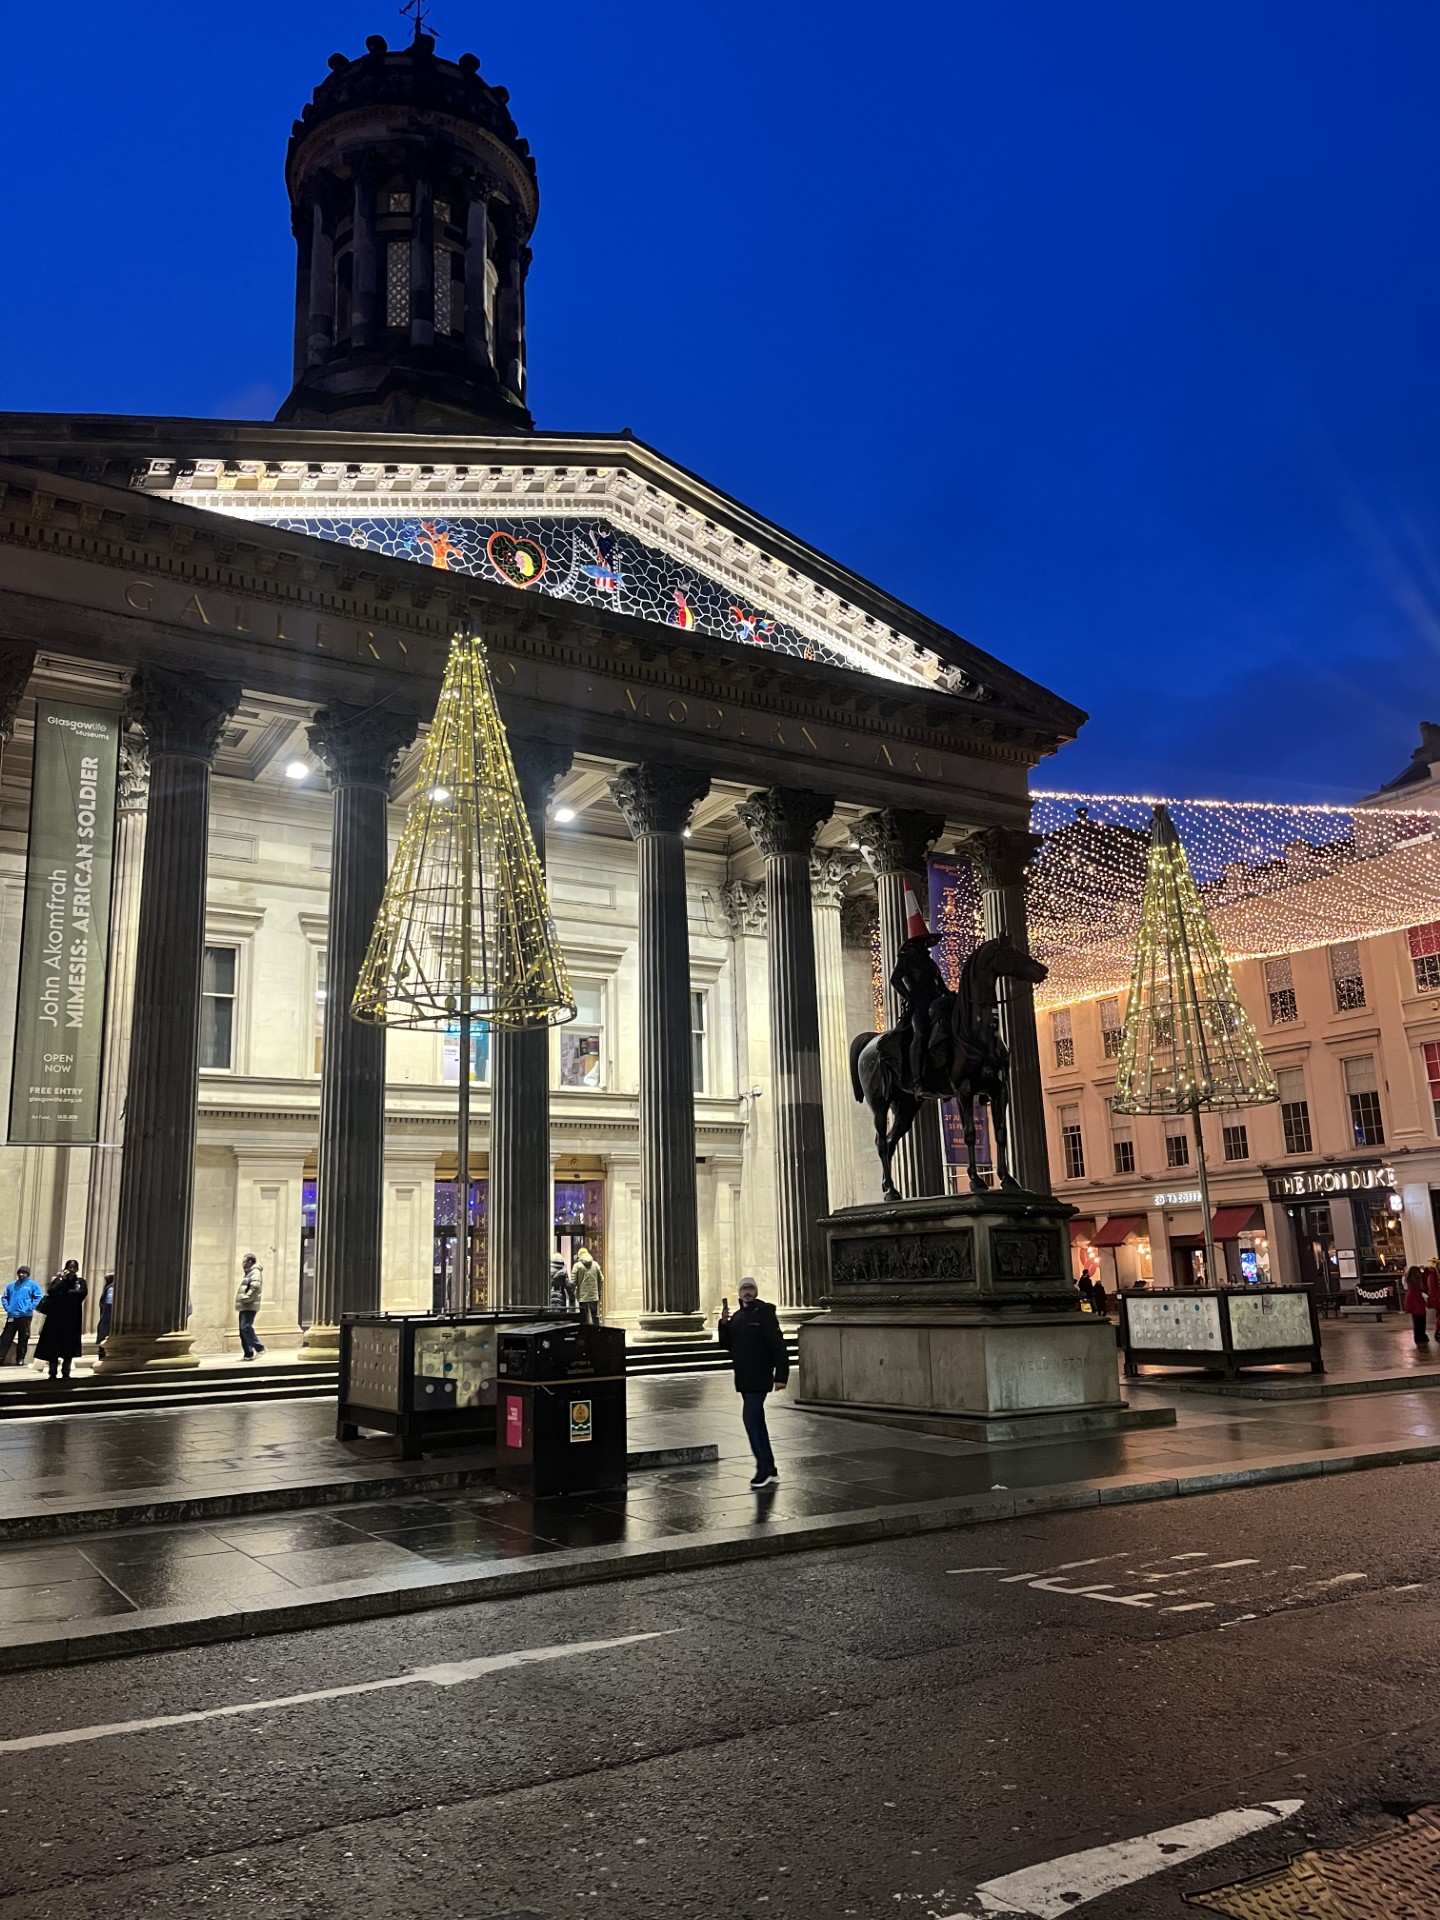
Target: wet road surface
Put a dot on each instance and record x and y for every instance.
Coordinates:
(899, 1728)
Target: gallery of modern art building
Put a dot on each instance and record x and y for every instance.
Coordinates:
(734, 753)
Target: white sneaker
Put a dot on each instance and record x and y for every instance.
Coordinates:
(765, 1480)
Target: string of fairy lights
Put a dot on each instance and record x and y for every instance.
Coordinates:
(1274, 878)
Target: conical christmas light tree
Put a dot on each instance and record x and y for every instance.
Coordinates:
(1188, 1044)
(464, 935)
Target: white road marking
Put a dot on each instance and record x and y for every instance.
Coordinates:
(1058, 1887)
(451, 1674)
(974, 1569)
(1219, 1566)
(1341, 1578)
(1191, 1606)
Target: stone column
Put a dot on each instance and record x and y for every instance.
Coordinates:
(321, 333)
(358, 747)
(657, 803)
(830, 874)
(182, 717)
(783, 822)
(478, 345)
(509, 344)
(364, 271)
(522, 1199)
(102, 1211)
(999, 857)
(894, 843)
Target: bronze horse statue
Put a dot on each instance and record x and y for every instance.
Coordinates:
(965, 1060)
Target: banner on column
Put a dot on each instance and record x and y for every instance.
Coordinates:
(65, 936)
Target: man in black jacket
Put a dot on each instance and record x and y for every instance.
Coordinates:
(752, 1338)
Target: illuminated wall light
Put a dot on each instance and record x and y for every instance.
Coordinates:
(564, 815)
(297, 770)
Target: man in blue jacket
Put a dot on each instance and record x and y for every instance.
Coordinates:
(752, 1338)
(19, 1300)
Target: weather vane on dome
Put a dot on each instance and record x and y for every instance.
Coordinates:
(415, 10)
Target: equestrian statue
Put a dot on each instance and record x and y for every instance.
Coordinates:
(946, 1045)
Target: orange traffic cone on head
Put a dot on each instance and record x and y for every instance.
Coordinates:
(915, 927)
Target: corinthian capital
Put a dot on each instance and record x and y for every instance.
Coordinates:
(831, 872)
(134, 786)
(784, 819)
(747, 907)
(896, 839)
(184, 714)
(358, 746)
(999, 855)
(658, 799)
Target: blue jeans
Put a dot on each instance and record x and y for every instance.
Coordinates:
(248, 1341)
(756, 1432)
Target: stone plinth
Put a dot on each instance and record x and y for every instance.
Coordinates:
(959, 1315)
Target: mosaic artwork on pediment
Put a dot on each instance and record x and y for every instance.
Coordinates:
(587, 561)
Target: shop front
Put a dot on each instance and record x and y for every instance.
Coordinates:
(1124, 1240)
(1348, 1224)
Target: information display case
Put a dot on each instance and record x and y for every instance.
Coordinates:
(1221, 1330)
(423, 1377)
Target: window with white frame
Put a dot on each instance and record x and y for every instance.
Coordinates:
(1362, 1090)
(1432, 1075)
(1122, 1140)
(1062, 1033)
(698, 1061)
(479, 1057)
(1112, 1028)
(1280, 991)
(1348, 980)
(1294, 1110)
(1177, 1149)
(582, 1042)
(1425, 956)
(1236, 1141)
(1072, 1145)
(219, 979)
(319, 1031)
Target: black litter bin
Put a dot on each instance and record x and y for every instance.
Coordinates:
(560, 1409)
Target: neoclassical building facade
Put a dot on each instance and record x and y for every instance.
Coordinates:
(733, 751)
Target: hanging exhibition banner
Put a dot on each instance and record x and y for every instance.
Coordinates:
(65, 937)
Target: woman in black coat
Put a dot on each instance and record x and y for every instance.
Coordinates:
(63, 1308)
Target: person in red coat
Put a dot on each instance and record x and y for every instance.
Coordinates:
(1415, 1301)
(1432, 1292)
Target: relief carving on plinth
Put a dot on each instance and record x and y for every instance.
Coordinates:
(877, 1260)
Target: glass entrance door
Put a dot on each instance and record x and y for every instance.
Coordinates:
(446, 1209)
(580, 1219)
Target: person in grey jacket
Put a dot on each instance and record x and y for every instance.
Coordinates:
(247, 1303)
(587, 1280)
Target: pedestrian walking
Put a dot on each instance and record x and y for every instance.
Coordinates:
(1100, 1300)
(752, 1337)
(19, 1300)
(1087, 1290)
(588, 1280)
(247, 1303)
(107, 1314)
(1415, 1301)
(1432, 1292)
(562, 1287)
(61, 1336)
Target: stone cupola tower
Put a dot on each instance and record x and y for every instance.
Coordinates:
(412, 200)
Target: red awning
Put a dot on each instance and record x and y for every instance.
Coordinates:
(1119, 1227)
(1082, 1229)
(1230, 1221)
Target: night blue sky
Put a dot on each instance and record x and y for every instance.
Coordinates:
(1105, 333)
